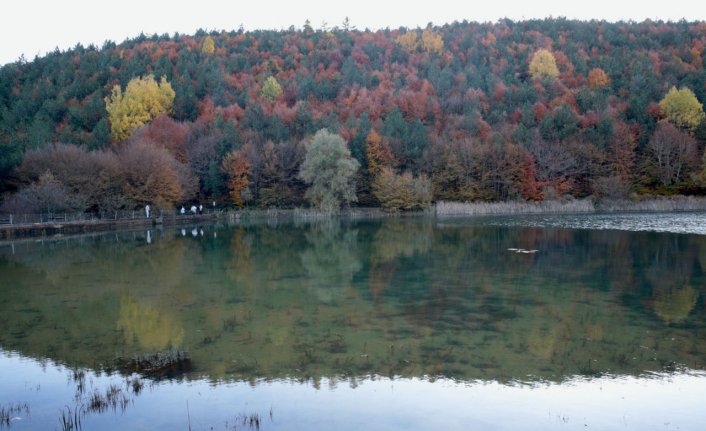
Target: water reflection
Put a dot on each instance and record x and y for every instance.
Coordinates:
(148, 327)
(675, 305)
(113, 402)
(397, 297)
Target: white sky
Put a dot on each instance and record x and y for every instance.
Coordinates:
(32, 27)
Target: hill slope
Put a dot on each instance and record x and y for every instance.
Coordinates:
(458, 103)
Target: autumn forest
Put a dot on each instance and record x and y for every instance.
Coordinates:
(329, 117)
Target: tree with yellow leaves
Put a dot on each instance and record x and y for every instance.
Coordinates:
(543, 65)
(142, 101)
(432, 42)
(209, 46)
(271, 90)
(682, 108)
(408, 41)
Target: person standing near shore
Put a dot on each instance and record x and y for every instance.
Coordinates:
(147, 210)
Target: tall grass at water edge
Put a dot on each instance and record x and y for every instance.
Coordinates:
(582, 206)
(498, 208)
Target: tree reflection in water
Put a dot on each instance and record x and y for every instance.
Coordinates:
(405, 297)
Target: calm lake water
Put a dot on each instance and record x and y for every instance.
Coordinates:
(597, 322)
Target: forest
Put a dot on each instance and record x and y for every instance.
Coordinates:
(531, 110)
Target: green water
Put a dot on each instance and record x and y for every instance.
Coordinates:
(394, 300)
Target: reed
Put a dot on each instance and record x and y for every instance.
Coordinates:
(71, 418)
(515, 207)
(654, 204)
(8, 412)
(578, 206)
(251, 421)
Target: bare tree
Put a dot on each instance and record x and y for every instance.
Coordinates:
(673, 154)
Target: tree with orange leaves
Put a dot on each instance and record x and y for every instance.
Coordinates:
(237, 166)
(597, 78)
(378, 153)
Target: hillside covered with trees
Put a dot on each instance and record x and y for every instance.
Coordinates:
(529, 110)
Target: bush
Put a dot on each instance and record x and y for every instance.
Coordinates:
(401, 192)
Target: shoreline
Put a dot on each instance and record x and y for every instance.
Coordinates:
(441, 209)
(58, 228)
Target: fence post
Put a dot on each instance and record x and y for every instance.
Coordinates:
(10, 218)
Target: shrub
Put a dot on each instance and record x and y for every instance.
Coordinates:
(401, 192)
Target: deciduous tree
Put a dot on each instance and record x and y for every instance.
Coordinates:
(378, 153)
(673, 153)
(408, 41)
(329, 168)
(143, 100)
(271, 90)
(432, 42)
(236, 166)
(150, 175)
(209, 46)
(543, 65)
(47, 194)
(682, 108)
(402, 192)
(597, 78)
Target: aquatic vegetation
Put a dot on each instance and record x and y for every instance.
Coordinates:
(151, 328)
(9, 412)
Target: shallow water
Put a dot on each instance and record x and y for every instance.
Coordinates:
(393, 324)
(685, 222)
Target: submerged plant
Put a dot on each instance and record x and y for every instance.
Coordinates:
(7, 413)
(71, 418)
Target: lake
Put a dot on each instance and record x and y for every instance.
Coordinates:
(495, 323)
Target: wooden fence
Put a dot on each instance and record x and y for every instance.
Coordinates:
(54, 218)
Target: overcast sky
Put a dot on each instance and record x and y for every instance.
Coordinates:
(32, 27)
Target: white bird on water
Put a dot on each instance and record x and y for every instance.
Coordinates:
(522, 250)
